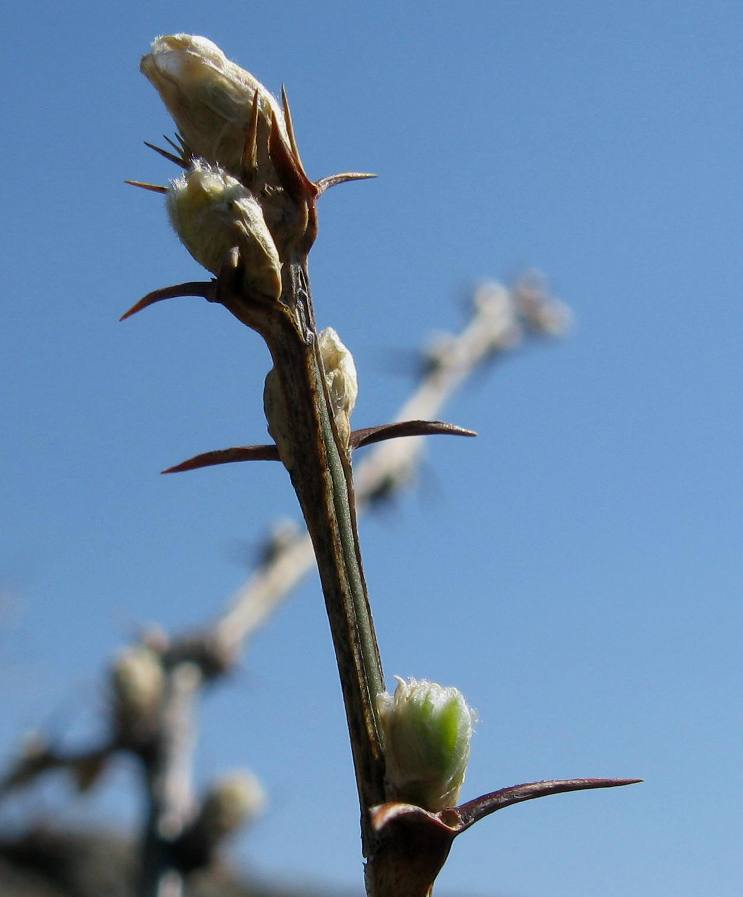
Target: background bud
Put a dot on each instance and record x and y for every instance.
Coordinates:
(137, 682)
(427, 731)
(340, 376)
(212, 212)
(210, 98)
(229, 804)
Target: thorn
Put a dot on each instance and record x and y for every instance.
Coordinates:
(204, 289)
(292, 178)
(306, 185)
(471, 812)
(155, 188)
(290, 125)
(250, 150)
(370, 435)
(227, 456)
(334, 179)
(166, 155)
(183, 148)
(177, 147)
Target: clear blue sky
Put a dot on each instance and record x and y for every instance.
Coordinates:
(576, 571)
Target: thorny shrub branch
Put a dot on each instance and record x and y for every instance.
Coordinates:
(246, 209)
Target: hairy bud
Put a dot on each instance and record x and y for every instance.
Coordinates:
(340, 376)
(210, 98)
(427, 731)
(212, 212)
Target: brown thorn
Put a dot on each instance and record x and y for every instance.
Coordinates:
(290, 125)
(227, 456)
(291, 176)
(307, 184)
(250, 150)
(166, 155)
(370, 435)
(471, 812)
(359, 438)
(155, 188)
(184, 148)
(177, 147)
(203, 289)
(334, 179)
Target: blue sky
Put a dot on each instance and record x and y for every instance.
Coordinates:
(575, 570)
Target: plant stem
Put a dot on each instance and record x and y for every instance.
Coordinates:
(320, 470)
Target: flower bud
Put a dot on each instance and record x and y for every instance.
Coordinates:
(210, 98)
(340, 376)
(229, 804)
(427, 730)
(212, 212)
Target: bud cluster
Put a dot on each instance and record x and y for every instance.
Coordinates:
(230, 196)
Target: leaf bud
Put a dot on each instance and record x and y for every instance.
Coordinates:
(427, 731)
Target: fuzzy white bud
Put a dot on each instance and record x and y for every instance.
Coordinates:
(212, 212)
(427, 731)
(209, 97)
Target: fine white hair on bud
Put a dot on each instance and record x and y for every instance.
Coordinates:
(427, 730)
(212, 213)
(340, 377)
(210, 98)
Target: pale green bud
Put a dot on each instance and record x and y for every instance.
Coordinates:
(427, 731)
(340, 376)
(212, 212)
(209, 97)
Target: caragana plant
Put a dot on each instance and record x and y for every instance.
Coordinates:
(246, 209)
